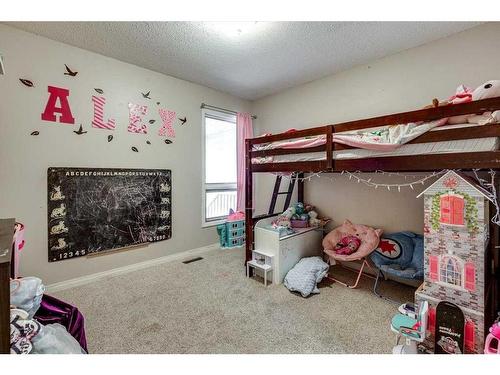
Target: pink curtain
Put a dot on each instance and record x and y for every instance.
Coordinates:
(244, 130)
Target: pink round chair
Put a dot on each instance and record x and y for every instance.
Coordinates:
(369, 241)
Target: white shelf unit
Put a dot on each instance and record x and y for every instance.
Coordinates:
(286, 251)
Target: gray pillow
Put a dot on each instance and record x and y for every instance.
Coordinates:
(304, 276)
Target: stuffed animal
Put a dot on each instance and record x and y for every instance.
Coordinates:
(463, 94)
(347, 245)
(282, 221)
(299, 208)
(369, 237)
(313, 219)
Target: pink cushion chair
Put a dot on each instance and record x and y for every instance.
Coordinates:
(369, 241)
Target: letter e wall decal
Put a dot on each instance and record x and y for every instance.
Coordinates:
(98, 121)
(64, 110)
(167, 118)
(136, 112)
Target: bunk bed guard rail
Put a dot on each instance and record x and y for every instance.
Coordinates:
(488, 159)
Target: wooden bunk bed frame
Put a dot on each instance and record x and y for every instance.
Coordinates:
(416, 163)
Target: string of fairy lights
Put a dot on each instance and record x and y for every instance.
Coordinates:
(412, 181)
(415, 179)
(491, 192)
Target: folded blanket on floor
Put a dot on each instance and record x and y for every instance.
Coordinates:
(304, 276)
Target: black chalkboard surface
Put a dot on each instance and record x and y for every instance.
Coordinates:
(94, 209)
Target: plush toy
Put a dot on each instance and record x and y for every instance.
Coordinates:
(463, 94)
(299, 211)
(308, 208)
(347, 245)
(313, 219)
(289, 212)
(369, 237)
(282, 221)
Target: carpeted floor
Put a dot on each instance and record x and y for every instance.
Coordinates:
(210, 307)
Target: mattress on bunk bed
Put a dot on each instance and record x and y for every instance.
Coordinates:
(443, 147)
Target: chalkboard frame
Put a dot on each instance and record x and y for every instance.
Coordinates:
(156, 226)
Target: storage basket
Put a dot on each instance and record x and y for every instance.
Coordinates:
(299, 223)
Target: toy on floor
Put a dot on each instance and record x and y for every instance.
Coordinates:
(492, 342)
(232, 232)
(347, 245)
(407, 309)
(412, 328)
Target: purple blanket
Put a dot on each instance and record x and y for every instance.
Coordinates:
(53, 310)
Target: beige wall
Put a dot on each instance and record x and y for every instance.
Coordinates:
(400, 82)
(405, 81)
(24, 159)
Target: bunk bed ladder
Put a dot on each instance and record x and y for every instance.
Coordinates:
(276, 192)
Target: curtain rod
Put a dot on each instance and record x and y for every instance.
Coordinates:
(204, 105)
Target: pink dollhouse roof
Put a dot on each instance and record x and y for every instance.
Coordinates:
(467, 179)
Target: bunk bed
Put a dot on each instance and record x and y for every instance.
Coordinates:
(466, 147)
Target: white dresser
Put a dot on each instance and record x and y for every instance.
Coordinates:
(287, 250)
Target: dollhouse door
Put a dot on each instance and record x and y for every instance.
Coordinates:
(450, 326)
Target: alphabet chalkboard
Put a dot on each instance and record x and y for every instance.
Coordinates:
(92, 210)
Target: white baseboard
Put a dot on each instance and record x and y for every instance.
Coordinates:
(71, 283)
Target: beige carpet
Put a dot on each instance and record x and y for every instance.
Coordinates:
(210, 307)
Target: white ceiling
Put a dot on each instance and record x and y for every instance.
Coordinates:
(265, 59)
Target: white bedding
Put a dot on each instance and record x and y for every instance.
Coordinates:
(444, 147)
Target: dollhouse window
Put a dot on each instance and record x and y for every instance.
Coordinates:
(452, 209)
(451, 270)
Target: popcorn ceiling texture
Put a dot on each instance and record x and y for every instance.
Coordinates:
(278, 55)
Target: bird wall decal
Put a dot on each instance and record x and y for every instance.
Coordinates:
(146, 95)
(26, 82)
(182, 120)
(80, 130)
(69, 72)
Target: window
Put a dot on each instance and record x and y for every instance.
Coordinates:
(451, 270)
(452, 209)
(219, 165)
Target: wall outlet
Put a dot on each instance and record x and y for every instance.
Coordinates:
(2, 68)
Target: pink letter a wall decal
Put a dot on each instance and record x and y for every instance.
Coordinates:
(51, 108)
(98, 121)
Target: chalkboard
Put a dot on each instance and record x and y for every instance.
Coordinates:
(92, 210)
(450, 326)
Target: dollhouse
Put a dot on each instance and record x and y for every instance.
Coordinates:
(456, 231)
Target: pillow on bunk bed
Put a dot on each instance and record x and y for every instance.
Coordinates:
(369, 240)
(304, 276)
(400, 255)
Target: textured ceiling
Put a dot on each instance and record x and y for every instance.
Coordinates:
(267, 58)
